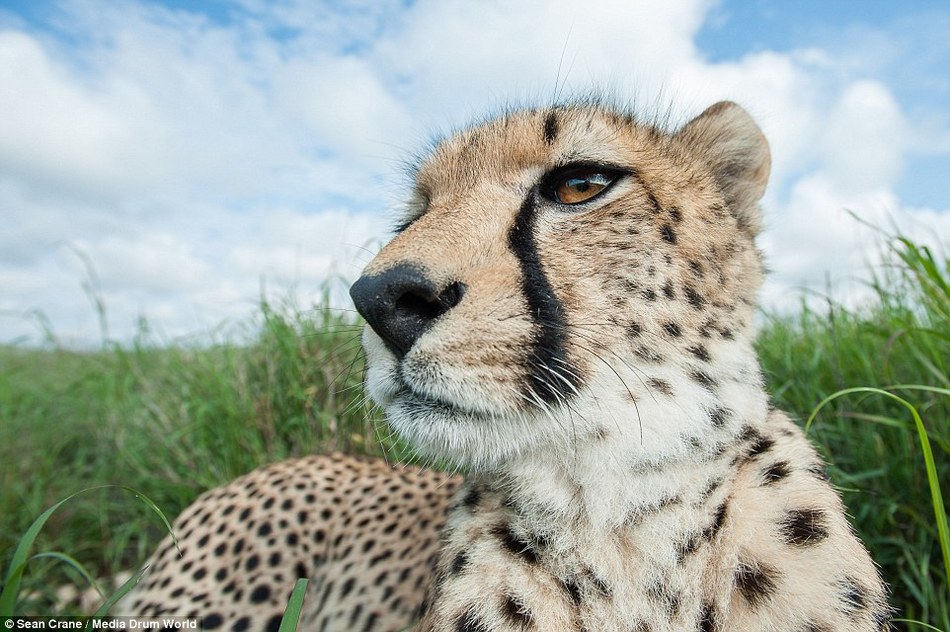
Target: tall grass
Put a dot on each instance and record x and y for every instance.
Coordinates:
(900, 343)
(170, 421)
(174, 420)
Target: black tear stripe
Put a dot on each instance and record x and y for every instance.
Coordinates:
(552, 377)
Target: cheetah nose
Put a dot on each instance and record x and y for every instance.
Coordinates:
(401, 303)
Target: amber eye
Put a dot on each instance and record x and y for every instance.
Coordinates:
(578, 184)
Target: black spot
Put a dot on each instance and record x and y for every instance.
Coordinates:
(648, 294)
(776, 472)
(552, 375)
(718, 521)
(718, 416)
(803, 527)
(470, 500)
(273, 624)
(853, 596)
(572, 590)
(516, 612)
(675, 214)
(661, 385)
(514, 544)
(700, 352)
(599, 584)
(687, 547)
(327, 589)
(300, 571)
(761, 446)
(648, 354)
(673, 329)
(264, 530)
(260, 594)
(694, 298)
(550, 127)
(212, 621)
(469, 622)
(458, 564)
(355, 614)
(634, 330)
(668, 290)
(668, 233)
(702, 378)
(756, 582)
(384, 555)
(245, 513)
(370, 624)
(241, 624)
(712, 486)
(252, 562)
(347, 587)
(669, 600)
(707, 620)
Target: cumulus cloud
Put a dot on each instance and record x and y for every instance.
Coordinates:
(194, 158)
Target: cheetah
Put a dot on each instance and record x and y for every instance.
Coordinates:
(566, 313)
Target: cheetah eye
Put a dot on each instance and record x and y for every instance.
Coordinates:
(578, 184)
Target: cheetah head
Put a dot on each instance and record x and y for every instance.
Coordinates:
(570, 275)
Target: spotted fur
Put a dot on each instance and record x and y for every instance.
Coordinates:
(364, 533)
(591, 365)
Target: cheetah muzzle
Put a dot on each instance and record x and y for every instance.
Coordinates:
(566, 313)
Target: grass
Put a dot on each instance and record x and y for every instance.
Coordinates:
(174, 420)
(900, 344)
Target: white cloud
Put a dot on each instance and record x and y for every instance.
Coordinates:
(865, 138)
(194, 158)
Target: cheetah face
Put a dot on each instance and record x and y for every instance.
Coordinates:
(566, 274)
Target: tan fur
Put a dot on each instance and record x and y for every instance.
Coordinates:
(592, 367)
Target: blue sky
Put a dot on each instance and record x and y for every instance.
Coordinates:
(913, 60)
(184, 157)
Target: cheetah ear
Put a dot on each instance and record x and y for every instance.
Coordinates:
(737, 153)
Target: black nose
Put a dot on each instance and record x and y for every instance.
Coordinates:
(401, 303)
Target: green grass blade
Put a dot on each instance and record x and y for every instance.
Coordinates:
(72, 563)
(921, 387)
(120, 592)
(294, 605)
(20, 559)
(940, 513)
(11, 582)
(920, 623)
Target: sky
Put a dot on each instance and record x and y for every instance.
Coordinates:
(173, 162)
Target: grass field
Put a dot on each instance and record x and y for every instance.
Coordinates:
(172, 421)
